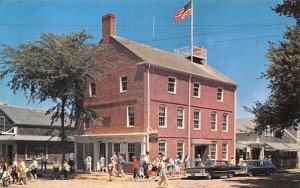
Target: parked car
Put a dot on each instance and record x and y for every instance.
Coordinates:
(211, 169)
(253, 167)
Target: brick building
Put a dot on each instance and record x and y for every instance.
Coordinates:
(157, 101)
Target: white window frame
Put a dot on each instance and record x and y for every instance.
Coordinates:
(199, 90)
(91, 91)
(165, 142)
(128, 118)
(127, 152)
(216, 122)
(222, 94)
(165, 107)
(216, 152)
(226, 157)
(225, 123)
(180, 142)
(121, 84)
(268, 131)
(172, 92)
(113, 147)
(199, 120)
(182, 117)
(3, 120)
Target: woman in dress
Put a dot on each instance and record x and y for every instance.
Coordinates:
(33, 168)
(111, 169)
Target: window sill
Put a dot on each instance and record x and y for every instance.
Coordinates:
(180, 127)
(163, 127)
(124, 91)
(173, 93)
(213, 130)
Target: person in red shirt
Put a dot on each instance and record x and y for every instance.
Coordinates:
(135, 167)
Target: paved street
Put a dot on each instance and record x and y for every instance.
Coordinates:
(288, 180)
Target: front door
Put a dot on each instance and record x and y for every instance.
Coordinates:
(102, 151)
(202, 151)
(9, 152)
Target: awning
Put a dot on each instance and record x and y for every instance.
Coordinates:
(28, 138)
(276, 146)
(241, 146)
(201, 142)
(294, 146)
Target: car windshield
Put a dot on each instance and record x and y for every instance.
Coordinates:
(268, 162)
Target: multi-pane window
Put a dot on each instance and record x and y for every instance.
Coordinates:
(213, 150)
(268, 132)
(2, 123)
(220, 94)
(225, 122)
(172, 85)
(92, 89)
(197, 119)
(162, 116)
(131, 151)
(213, 121)
(123, 84)
(162, 147)
(179, 117)
(196, 90)
(117, 147)
(224, 151)
(130, 116)
(180, 148)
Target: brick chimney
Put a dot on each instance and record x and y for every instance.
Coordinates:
(108, 26)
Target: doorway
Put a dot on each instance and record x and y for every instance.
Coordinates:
(9, 152)
(202, 150)
(102, 151)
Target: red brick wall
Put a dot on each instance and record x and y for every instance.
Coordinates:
(109, 101)
(207, 103)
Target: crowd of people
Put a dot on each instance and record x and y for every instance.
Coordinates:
(17, 172)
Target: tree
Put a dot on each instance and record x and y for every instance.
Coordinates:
(282, 109)
(56, 68)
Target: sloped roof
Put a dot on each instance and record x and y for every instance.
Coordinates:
(27, 116)
(171, 61)
(245, 125)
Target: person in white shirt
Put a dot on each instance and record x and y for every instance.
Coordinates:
(102, 165)
(88, 162)
(33, 168)
(71, 162)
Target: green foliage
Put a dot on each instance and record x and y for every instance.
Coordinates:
(56, 68)
(282, 109)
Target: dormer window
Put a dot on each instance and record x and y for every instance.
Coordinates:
(2, 123)
(268, 132)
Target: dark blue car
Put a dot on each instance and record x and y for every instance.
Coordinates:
(254, 167)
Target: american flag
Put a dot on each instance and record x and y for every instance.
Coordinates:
(183, 12)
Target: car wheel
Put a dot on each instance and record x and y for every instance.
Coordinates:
(250, 173)
(230, 175)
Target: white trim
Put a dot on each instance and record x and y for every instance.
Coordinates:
(216, 126)
(182, 117)
(175, 85)
(163, 127)
(197, 110)
(222, 96)
(226, 150)
(183, 148)
(227, 117)
(121, 84)
(166, 146)
(216, 156)
(127, 124)
(112, 135)
(199, 90)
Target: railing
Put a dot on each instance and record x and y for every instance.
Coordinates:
(199, 52)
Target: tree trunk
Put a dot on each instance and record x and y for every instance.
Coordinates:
(62, 118)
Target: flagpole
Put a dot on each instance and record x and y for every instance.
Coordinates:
(192, 31)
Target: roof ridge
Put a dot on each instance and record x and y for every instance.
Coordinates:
(25, 108)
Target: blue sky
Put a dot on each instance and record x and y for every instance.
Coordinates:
(234, 32)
